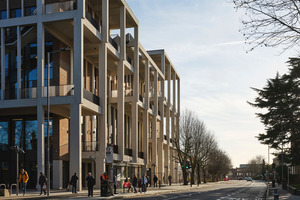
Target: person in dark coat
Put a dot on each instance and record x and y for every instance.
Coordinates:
(90, 183)
(155, 181)
(42, 182)
(134, 183)
(73, 182)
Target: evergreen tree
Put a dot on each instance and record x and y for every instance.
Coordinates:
(281, 100)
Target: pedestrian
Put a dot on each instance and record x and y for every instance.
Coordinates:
(23, 179)
(155, 179)
(140, 185)
(73, 182)
(115, 184)
(90, 183)
(144, 183)
(170, 179)
(104, 178)
(134, 182)
(42, 182)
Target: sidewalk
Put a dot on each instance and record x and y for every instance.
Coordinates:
(283, 194)
(60, 194)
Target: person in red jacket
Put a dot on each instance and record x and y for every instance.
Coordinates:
(23, 179)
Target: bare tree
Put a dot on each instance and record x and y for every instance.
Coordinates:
(219, 164)
(255, 165)
(184, 143)
(270, 22)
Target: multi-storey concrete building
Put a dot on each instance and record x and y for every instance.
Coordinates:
(113, 105)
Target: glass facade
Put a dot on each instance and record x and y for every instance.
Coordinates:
(28, 62)
(20, 131)
(11, 63)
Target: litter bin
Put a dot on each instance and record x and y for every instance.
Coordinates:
(273, 183)
(276, 196)
(106, 190)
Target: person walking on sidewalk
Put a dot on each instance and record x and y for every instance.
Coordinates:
(23, 179)
(170, 179)
(90, 183)
(42, 182)
(73, 182)
(155, 181)
(134, 183)
(144, 183)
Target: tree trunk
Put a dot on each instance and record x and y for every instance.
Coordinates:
(199, 177)
(204, 175)
(193, 175)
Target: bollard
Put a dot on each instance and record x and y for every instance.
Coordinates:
(276, 196)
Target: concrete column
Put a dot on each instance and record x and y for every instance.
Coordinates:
(2, 63)
(122, 33)
(102, 122)
(174, 130)
(40, 7)
(40, 59)
(154, 126)
(57, 174)
(7, 8)
(134, 106)
(19, 62)
(146, 119)
(81, 9)
(40, 140)
(78, 60)
(22, 8)
(120, 74)
(178, 108)
(75, 142)
(105, 21)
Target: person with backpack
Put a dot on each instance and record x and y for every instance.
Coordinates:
(90, 183)
(23, 179)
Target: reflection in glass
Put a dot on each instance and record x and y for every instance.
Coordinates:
(18, 133)
(31, 135)
(3, 136)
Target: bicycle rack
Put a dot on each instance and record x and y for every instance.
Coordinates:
(3, 185)
(11, 187)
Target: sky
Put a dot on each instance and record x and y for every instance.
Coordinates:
(202, 39)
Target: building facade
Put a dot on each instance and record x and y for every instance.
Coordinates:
(114, 106)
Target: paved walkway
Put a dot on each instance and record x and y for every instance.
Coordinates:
(283, 194)
(59, 194)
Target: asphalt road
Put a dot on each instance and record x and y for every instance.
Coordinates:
(232, 190)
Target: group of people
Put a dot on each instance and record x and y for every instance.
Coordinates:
(23, 179)
(141, 183)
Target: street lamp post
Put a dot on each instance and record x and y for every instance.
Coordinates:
(48, 114)
(18, 150)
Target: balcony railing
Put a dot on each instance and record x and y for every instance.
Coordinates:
(93, 21)
(127, 93)
(91, 97)
(141, 98)
(61, 90)
(90, 146)
(28, 93)
(113, 43)
(165, 137)
(141, 155)
(128, 152)
(60, 6)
